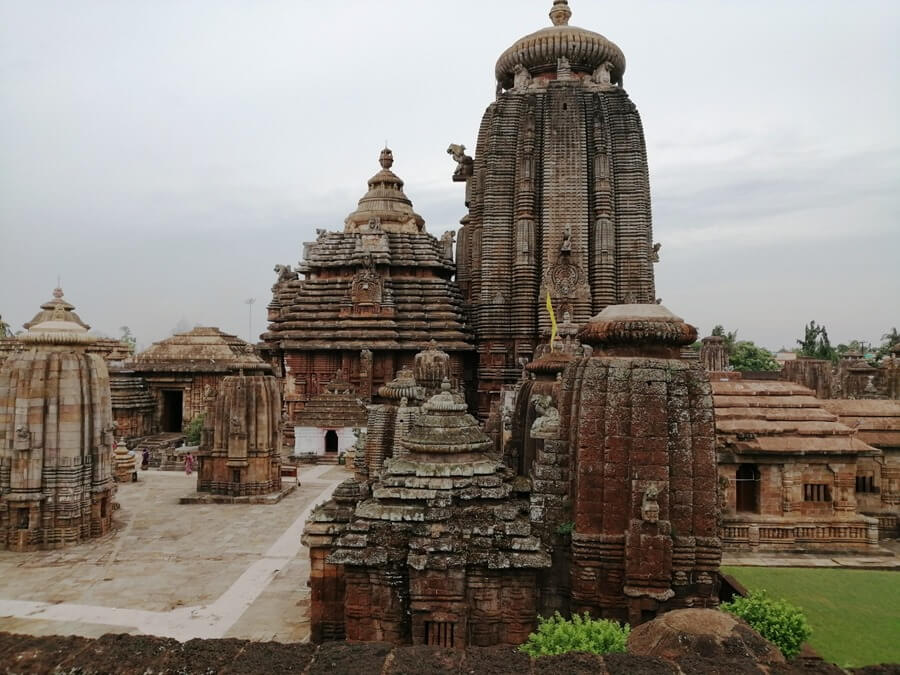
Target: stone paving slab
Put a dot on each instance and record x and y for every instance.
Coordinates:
(887, 561)
(173, 570)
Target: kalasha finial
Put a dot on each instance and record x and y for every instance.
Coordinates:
(560, 13)
(386, 159)
(58, 293)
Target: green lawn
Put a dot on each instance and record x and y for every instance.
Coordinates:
(854, 614)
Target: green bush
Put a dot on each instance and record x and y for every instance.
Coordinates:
(565, 528)
(557, 635)
(193, 429)
(778, 621)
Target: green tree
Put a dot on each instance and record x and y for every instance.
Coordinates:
(193, 429)
(746, 356)
(815, 343)
(128, 338)
(888, 340)
(5, 329)
(730, 336)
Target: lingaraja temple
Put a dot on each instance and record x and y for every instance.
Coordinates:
(558, 196)
(371, 296)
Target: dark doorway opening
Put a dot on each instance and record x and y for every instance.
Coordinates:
(331, 441)
(173, 406)
(747, 485)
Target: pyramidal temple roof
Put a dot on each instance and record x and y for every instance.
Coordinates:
(205, 349)
(385, 203)
(57, 323)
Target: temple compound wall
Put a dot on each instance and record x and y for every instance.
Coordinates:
(362, 301)
(558, 198)
(56, 435)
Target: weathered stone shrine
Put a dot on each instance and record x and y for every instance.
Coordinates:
(790, 470)
(56, 435)
(558, 197)
(179, 373)
(442, 553)
(371, 296)
(240, 447)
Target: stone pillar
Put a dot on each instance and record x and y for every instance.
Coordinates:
(714, 353)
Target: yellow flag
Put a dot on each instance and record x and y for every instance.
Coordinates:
(553, 332)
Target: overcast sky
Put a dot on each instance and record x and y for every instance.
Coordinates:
(161, 157)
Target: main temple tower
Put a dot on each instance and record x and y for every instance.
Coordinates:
(558, 197)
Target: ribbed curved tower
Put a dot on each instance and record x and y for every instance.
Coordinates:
(56, 435)
(558, 197)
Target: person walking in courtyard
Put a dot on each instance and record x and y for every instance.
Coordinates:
(145, 459)
(188, 463)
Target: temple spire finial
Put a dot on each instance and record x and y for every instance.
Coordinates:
(386, 158)
(560, 13)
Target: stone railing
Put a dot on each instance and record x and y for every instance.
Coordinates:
(858, 535)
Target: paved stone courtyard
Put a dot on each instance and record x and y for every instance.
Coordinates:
(174, 570)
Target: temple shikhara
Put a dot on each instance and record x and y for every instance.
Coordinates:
(56, 435)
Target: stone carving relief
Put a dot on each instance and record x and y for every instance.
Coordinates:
(650, 505)
(563, 69)
(521, 78)
(366, 288)
(565, 276)
(546, 425)
(654, 255)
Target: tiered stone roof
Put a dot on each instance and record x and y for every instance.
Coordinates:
(205, 349)
(383, 283)
(777, 417)
(129, 391)
(876, 422)
(338, 406)
(445, 504)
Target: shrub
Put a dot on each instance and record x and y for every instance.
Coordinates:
(193, 429)
(778, 621)
(565, 528)
(557, 635)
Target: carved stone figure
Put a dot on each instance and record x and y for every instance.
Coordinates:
(521, 77)
(654, 255)
(650, 505)
(464, 163)
(563, 69)
(603, 74)
(546, 425)
(285, 273)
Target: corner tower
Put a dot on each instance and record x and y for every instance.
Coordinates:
(558, 197)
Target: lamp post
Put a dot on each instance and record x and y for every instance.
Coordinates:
(249, 302)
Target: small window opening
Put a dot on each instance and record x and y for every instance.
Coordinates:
(816, 492)
(439, 633)
(22, 519)
(235, 475)
(865, 484)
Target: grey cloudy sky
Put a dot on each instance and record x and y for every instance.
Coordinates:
(163, 156)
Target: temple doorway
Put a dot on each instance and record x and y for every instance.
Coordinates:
(331, 441)
(747, 489)
(173, 405)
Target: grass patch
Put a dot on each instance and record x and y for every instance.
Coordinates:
(854, 614)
